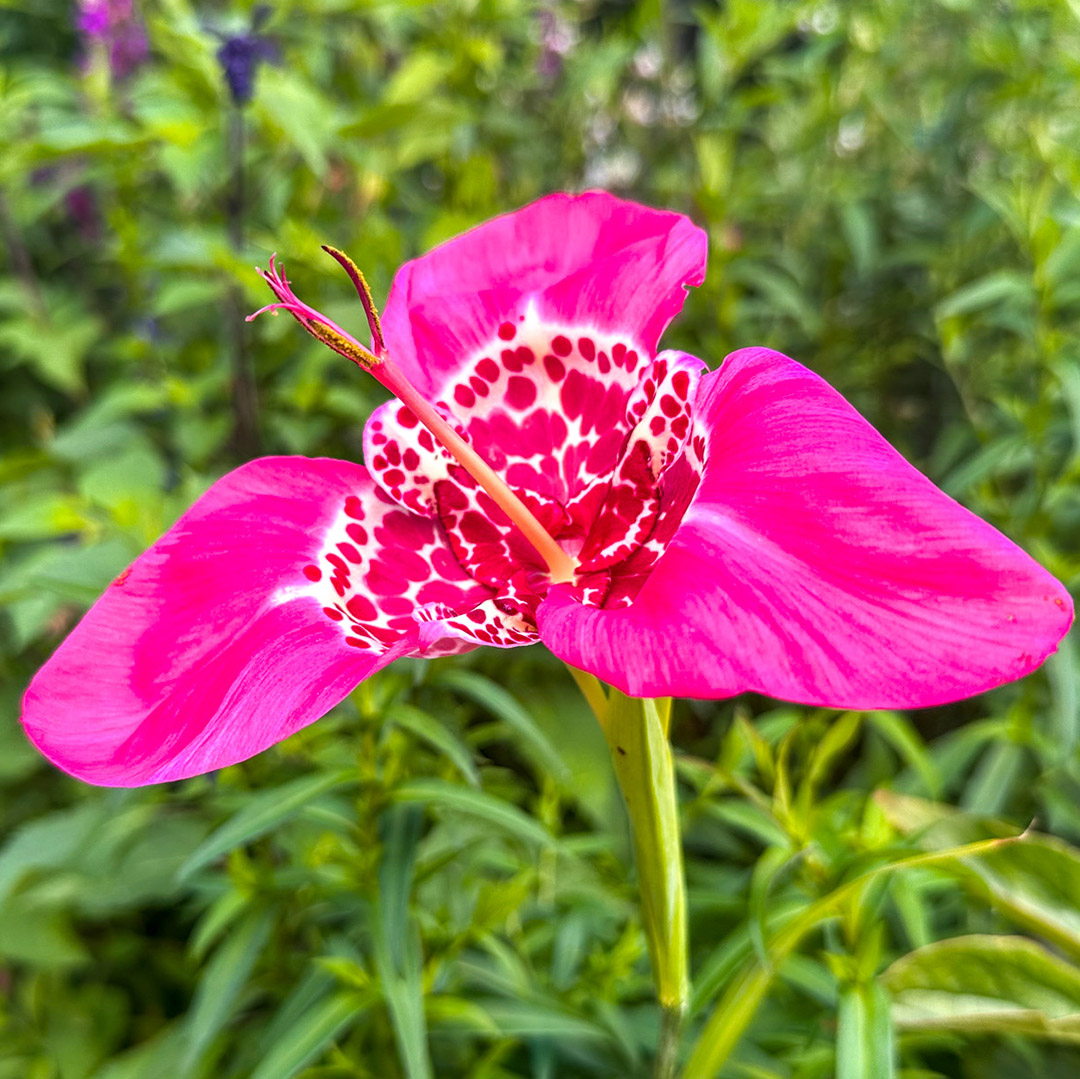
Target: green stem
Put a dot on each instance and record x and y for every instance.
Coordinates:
(667, 1048)
(593, 692)
(636, 731)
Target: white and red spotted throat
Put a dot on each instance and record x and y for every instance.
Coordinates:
(377, 361)
(597, 446)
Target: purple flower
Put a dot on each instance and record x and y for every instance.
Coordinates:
(241, 54)
(116, 27)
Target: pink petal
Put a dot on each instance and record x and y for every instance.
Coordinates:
(816, 565)
(589, 260)
(214, 644)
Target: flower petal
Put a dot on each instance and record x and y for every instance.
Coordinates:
(587, 260)
(218, 641)
(816, 565)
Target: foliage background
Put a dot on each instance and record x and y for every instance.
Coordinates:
(436, 879)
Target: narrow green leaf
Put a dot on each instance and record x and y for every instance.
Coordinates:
(994, 288)
(261, 814)
(310, 1034)
(865, 1042)
(1034, 881)
(452, 796)
(415, 721)
(397, 944)
(839, 735)
(501, 704)
(904, 738)
(221, 983)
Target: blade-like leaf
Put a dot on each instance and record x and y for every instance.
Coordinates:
(865, 1043)
(397, 946)
(428, 728)
(310, 1034)
(221, 983)
(501, 704)
(505, 817)
(1035, 882)
(262, 813)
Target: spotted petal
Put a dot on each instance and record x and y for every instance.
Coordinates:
(269, 600)
(579, 260)
(816, 565)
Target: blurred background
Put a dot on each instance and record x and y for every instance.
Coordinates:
(436, 879)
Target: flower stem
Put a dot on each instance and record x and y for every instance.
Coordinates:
(636, 731)
(245, 403)
(667, 1048)
(593, 691)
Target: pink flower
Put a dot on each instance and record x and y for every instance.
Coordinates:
(116, 25)
(689, 532)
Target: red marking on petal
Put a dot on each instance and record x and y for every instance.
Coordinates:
(488, 369)
(333, 614)
(313, 573)
(554, 367)
(464, 396)
(507, 331)
(669, 405)
(587, 348)
(350, 552)
(361, 608)
(561, 346)
(520, 392)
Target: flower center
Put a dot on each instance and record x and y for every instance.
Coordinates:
(377, 361)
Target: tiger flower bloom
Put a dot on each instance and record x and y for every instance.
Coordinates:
(545, 474)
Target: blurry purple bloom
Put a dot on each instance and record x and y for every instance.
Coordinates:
(557, 38)
(82, 207)
(115, 25)
(241, 54)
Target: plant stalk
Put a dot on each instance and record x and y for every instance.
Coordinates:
(636, 731)
(244, 394)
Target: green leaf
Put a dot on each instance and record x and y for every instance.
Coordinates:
(865, 1042)
(904, 738)
(397, 945)
(424, 726)
(49, 841)
(992, 984)
(1035, 881)
(458, 799)
(312, 1032)
(995, 288)
(261, 814)
(501, 704)
(221, 983)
